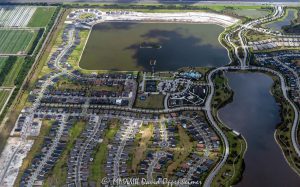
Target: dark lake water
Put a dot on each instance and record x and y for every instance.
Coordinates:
(116, 46)
(255, 114)
(291, 15)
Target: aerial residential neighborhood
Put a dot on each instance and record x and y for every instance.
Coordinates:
(149, 93)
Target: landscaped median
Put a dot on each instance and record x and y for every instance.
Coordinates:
(232, 170)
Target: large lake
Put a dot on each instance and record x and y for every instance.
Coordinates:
(117, 46)
(255, 114)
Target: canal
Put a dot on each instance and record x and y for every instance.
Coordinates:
(254, 113)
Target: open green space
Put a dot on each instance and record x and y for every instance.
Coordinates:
(153, 101)
(143, 141)
(252, 13)
(222, 94)
(58, 176)
(16, 41)
(41, 17)
(96, 170)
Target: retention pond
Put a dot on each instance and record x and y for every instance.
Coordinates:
(128, 46)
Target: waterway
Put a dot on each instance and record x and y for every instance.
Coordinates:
(277, 25)
(117, 46)
(254, 113)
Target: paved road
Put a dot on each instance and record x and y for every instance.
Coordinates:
(278, 12)
(157, 156)
(49, 153)
(90, 138)
(207, 107)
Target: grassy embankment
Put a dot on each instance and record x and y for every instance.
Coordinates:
(157, 7)
(232, 171)
(283, 130)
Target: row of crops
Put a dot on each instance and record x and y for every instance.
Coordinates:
(16, 41)
(15, 16)
(8, 72)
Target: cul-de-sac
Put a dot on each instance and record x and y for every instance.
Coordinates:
(149, 93)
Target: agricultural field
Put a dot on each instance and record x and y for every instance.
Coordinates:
(13, 73)
(41, 17)
(6, 65)
(4, 95)
(2, 62)
(15, 16)
(16, 41)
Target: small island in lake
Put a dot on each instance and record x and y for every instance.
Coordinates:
(150, 45)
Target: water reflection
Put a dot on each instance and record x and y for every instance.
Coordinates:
(255, 114)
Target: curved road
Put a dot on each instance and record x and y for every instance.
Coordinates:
(278, 12)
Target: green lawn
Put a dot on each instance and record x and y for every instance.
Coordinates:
(13, 73)
(16, 41)
(96, 170)
(251, 13)
(41, 17)
(155, 101)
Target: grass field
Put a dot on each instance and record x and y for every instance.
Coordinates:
(13, 73)
(41, 17)
(3, 97)
(140, 151)
(2, 62)
(151, 102)
(96, 170)
(16, 41)
(252, 13)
